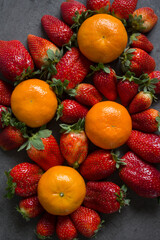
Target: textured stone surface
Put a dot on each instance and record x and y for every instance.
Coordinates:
(139, 221)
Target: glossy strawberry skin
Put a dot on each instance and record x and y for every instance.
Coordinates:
(106, 83)
(122, 8)
(143, 43)
(65, 228)
(2, 109)
(72, 111)
(101, 196)
(38, 48)
(145, 121)
(148, 16)
(57, 31)
(74, 147)
(73, 66)
(97, 5)
(46, 226)
(145, 145)
(14, 58)
(5, 93)
(87, 94)
(140, 102)
(26, 177)
(49, 157)
(127, 91)
(11, 138)
(98, 165)
(140, 176)
(69, 8)
(156, 74)
(86, 221)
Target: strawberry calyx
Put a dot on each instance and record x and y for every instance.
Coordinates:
(99, 67)
(133, 37)
(121, 197)
(39, 236)
(76, 127)
(119, 161)
(11, 186)
(125, 58)
(58, 86)
(59, 112)
(158, 122)
(72, 42)
(26, 74)
(135, 23)
(129, 76)
(121, 19)
(98, 228)
(24, 213)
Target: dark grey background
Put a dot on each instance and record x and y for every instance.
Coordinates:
(141, 220)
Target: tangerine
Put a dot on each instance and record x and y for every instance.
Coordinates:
(33, 102)
(61, 190)
(102, 38)
(108, 124)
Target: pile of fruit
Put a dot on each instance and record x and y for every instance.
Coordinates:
(67, 79)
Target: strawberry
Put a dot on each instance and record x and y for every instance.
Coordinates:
(14, 59)
(2, 110)
(86, 94)
(142, 20)
(38, 48)
(141, 102)
(11, 138)
(23, 180)
(5, 93)
(145, 145)
(138, 40)
(65, 228)
(69, 8)
(137, 60)
(46, 226)
(105, 197)
(57, 31)
(122, 8)
(141, 177)
(73, 66)
(146, 121)
(74, 143)
(99, 165)
(127, 88)
(98, 5)
(156, 74)
(104, 79)
(70, 111)
(86, 221)
(30, 207)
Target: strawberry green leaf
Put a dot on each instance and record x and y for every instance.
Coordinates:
(118, 160)
(11, 186)
(76, 127)
(59, 111)
(23, 213)
(121, 197)
(133, 37)
(158, 122)
(37, 143)
(71, 92)
(44, 133)
(135, 24)
(72, 42)
(39, 236)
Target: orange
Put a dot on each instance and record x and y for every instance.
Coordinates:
(61, 190)
(108, 124)
(102, 38)
(33, 102)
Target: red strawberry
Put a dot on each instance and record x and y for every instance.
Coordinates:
(30, 207)
(127, 88)
(122, 8)
(156, 74)
(5, 93)
(143, 19)
(70, 111)
(11, 138)
(105, 197)
(74, 143)
(46, 226)
(141, 177)
(69, 8)
(86, 221)
(99, 165)
(38, 48)
(146, 145)
(97, 5)
(65, 228)
(146, 121)
(14, 59)
(138, 61)
(57, 31)
(73, 66)
(138, 40)
(140, 102)
(23, 180)
(2, 109)
(105, 81)
(86, 94)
